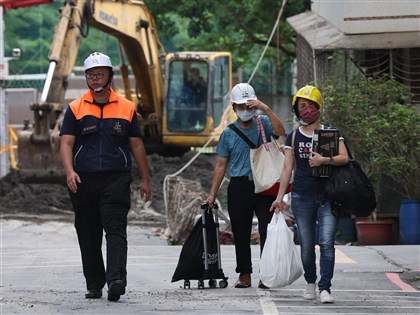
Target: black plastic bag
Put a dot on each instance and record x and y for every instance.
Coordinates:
(191, 264)
(350, 190)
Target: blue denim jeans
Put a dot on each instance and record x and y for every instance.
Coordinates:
(308, 210)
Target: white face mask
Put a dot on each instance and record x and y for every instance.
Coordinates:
(245, 115)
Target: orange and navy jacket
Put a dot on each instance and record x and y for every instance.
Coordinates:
(102, 132)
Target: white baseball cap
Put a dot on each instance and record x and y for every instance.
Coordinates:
(242, 92)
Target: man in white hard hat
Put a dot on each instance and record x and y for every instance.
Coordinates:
(233, 155)
(99, 133)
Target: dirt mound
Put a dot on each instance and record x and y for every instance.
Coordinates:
(200, 170)
(19, 198)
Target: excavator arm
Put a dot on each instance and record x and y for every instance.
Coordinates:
(171, 122)
(131, 23)
(134, 27)
(38, 149)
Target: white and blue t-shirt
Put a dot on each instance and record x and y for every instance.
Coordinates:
(304, 183)
(232, 147)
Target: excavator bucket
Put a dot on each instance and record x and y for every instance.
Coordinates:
(40, 162)
(39, 150)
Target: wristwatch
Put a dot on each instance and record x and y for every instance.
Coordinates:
(331, 161)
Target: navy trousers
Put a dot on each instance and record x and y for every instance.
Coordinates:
(101, 204)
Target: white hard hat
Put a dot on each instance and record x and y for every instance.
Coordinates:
(97, 59)
(242, 92)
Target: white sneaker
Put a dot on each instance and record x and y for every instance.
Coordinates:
(310, 292)
(326, 297)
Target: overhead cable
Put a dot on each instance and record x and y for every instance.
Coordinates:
(268, 41)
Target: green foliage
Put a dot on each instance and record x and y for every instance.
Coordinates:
(392, 142)
(241, 27)
(352, 105)
(376, 117)
(98, 41)
(32, 30)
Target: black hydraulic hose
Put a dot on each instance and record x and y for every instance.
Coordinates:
(145, 24)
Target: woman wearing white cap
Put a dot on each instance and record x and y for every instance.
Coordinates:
(233, 155)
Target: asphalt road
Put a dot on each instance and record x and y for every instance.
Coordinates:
(41, 274)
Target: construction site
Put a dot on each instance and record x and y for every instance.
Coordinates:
(31, 117)
(40, 202)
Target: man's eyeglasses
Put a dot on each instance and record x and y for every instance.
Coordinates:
(98, 75)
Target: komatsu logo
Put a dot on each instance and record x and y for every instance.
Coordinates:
(108, 18)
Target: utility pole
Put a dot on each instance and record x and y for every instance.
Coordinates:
(4, 73)
(4, 112)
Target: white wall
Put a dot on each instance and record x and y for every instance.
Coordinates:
(370, 16)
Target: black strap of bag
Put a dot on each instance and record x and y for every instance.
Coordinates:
(293, 148)
(242, 135)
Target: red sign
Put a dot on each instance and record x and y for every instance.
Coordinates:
(15, 4)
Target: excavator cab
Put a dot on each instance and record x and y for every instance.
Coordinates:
(197, 95)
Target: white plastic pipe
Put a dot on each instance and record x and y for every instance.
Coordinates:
(48, 81)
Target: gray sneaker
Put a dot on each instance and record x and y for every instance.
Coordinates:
(309, 292)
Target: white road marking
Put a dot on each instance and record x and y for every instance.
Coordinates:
(267, 304)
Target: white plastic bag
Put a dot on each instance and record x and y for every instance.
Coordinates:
(280, 262)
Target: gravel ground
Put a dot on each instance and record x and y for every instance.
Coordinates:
(45, 202)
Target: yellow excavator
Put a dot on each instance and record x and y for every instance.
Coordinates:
(172, 118)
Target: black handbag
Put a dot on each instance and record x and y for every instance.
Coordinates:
(350, 190)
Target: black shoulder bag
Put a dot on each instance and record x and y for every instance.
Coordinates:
(350, 190)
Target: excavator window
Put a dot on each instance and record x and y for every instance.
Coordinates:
(221, 88)
(187, 96)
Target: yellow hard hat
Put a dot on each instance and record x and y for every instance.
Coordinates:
(311, 93)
